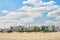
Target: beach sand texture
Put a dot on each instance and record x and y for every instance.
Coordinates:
(30, 36)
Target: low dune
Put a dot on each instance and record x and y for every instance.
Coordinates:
(30, 36)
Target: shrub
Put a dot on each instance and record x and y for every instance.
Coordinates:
(10, 31)
(20, 31)
(1, 30)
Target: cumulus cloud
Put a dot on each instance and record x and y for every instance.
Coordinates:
(41, 6)
(54, 13)
(5, 11)
(27, 14)
(50, 22)
(38, 2)
(57, 18)
(19, 15)
(15, 18)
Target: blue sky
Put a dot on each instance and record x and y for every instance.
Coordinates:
(13, 7)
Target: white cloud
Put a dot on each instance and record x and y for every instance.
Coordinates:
(57, 18)
(20, 17)
(33, 2)
(16, 18)
(50, 22)
(5, 11)
(41, 8)
(15, 15)
(54, 13)
(39, 2)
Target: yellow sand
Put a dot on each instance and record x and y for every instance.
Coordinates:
(30, 36)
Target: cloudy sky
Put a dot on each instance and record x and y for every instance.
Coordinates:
(16, 12)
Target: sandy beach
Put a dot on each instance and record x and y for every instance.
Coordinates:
(30, 36)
